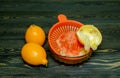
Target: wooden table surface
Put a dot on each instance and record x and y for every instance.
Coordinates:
(17, 15)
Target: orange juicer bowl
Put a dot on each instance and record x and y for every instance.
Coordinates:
(64, 25)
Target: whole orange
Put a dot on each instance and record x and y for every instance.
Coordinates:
(34, 54)
(35, 34)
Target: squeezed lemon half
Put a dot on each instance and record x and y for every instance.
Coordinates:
(84, 40)
(89, 36)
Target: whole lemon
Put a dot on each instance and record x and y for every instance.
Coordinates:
(34, 54)
(35, 34)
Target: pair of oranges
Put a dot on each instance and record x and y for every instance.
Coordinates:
(32, 52)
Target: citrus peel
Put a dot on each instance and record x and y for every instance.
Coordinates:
(89, 36)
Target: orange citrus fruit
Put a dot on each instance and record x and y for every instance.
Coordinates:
(34, 54)
(35, 34)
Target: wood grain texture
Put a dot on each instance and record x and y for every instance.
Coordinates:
(17, 15)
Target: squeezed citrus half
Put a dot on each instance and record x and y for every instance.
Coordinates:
(90, 36)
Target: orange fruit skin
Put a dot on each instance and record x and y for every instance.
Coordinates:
(35, 34)
(34, 54)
